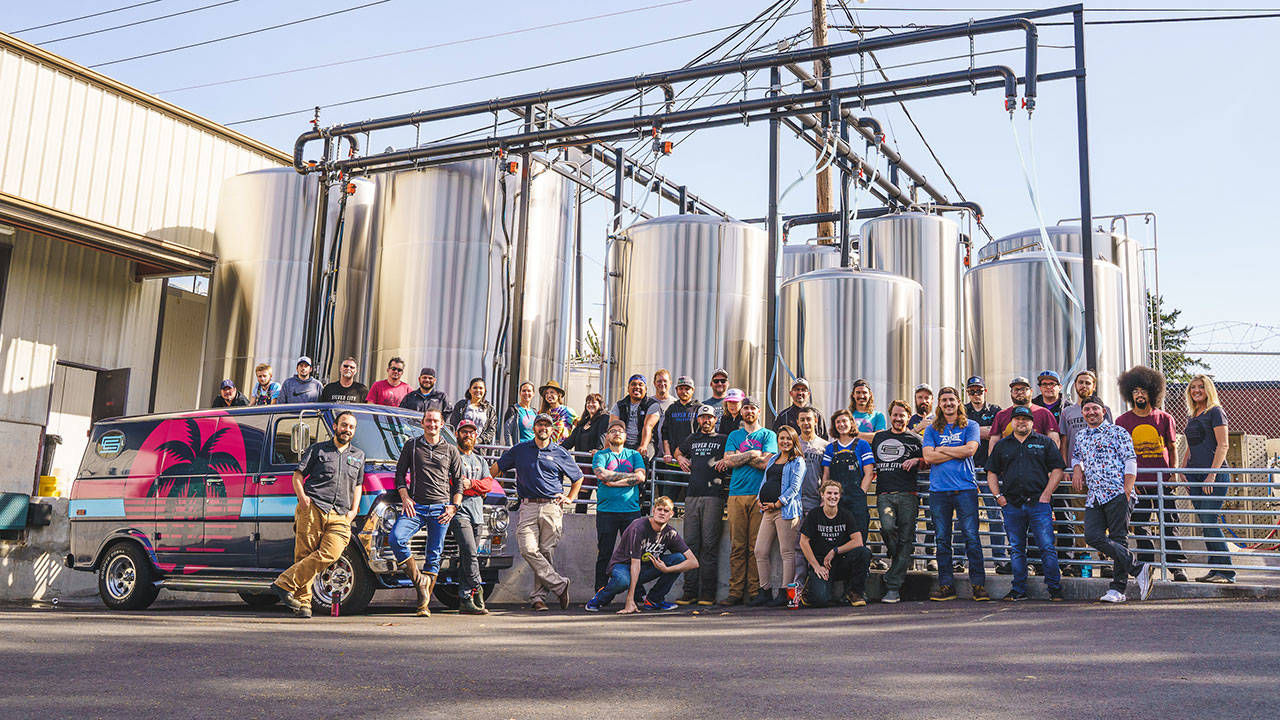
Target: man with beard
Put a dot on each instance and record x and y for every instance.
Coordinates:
(1071, 422)
(746, 452)
(949, 444)
(898, 459)
(428, 478)
(924, 409)
(703, 506)
(302, 387)
(1153, 435)
(640, 414)
(345, 388)
(800, 400)
(426, 397)
(813, 448)
(476, 483)
(1050, 397)
(984, 413)
(1043, 422)
(328, 483)
(678, 421)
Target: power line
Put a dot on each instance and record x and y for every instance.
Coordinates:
(84, 17)
(421, 49)
(240, 34)
(138, 22)
(488, 76)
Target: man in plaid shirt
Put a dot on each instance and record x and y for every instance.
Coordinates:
(1104, 462)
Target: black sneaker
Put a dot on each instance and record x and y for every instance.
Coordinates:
(1055, 595)
(1070, 571)
(1004, 568)
(286, 597)
(761, 598)
(980, 594)
(1014, 596)
(943, 593)
(1178, 575)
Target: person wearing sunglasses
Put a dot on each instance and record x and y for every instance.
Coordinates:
(719, 387)
(391, 391)
(346, 389)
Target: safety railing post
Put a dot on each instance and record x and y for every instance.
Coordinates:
(1164, 556)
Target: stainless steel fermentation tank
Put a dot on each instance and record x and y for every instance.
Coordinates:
(258, 294)
(687, 293)
(839, 324)
(930, 250)
(800, 258)
(1020, 324)
(442, 291)
(1119, 250)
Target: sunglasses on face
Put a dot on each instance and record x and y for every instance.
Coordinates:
(719, 381)
(400, 370)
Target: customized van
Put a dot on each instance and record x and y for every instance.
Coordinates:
(203, 501)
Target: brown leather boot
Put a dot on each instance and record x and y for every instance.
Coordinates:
(428, 584)
(418, 579)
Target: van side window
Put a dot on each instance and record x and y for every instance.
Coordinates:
(113, 451)
(281, 452)
(253, 430)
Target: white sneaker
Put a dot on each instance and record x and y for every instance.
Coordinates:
(1144, 581)
(1113, 596)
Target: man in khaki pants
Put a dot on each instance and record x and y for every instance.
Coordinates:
(328, 482)
(746, 453)
(540, 467)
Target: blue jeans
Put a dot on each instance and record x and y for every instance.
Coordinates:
(1039, 516)
(1208, 504)
(963, 506)
(620, 580)
(406, 527)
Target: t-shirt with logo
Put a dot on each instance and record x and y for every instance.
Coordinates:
(640, 539)
(826, 534)
(845, 463)
(953, 475)
(617, 499)
(1152, 439)
(334, 392)
(703, 451)
(746, 480)
(891, 450)
(813, 451)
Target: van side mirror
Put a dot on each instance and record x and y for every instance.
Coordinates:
(299, 437)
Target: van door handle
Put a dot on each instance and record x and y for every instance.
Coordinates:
(266, 481)
(213, 479)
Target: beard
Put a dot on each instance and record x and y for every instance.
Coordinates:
(1140, 403)
(466, 444)
(344, 437)
(923, 408)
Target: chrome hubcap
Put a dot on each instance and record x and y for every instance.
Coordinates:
(121, 577)
(338, 578)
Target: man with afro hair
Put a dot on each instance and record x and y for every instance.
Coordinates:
(1153, 435)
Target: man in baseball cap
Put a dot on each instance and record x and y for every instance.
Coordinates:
(801, 398)
(746, 450)
(704, 504)
(476, 483)
(677, 424)
(1050, 397)
(731, 411)
(229, 396)
(978, 410)
(426, 395)
(719, 386)
(640, 413)
(302, 387)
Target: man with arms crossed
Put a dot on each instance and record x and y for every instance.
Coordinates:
(949, 444)
(747, 453)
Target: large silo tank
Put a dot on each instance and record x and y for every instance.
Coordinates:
(1019, 323)
(1122, 251)
(689, 295)
(800, 258)
(927, 249)
(259, 291)
(439, 292)
(840, 324)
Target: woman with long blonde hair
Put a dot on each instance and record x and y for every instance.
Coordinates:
(1206, 433)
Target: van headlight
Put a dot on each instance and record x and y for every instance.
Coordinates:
(499, 518)
(386, 517)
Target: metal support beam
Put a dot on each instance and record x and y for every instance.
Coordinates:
(1086, 201)
(845, 178)
(774, 229)
(515, 350)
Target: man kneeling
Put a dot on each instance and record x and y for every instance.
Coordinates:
(833, 547)
(648, 550)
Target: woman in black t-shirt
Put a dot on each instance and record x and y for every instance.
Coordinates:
(587, 436)
(1206, 433)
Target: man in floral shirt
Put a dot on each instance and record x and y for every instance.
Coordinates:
(1104, 462)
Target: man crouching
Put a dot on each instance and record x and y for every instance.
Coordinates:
(648, 550)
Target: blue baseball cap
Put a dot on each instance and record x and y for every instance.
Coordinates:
(1049, 374)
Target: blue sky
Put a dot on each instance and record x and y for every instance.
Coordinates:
(1181, 122)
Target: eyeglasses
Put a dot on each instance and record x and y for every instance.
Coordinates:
(1048, 383)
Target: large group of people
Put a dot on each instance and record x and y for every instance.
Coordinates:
(810, 487)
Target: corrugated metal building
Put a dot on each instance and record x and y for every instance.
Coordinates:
(104, 191)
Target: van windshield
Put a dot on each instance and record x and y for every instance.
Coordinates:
(382, 436)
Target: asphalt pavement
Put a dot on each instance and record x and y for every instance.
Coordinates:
(1158, 659)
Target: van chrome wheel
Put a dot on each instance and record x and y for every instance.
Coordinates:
(121, 577)
(337, 579)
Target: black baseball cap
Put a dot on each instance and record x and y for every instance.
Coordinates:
(1022, 411)
(975, 380)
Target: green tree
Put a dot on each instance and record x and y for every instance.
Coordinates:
(1174, 362)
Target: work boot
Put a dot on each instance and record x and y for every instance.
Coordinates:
(428, 584)
(477, 597)
(467, 605)
(417, 578)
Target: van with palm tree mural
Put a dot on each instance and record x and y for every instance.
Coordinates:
(203, 501)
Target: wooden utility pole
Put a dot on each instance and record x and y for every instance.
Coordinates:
(821, 70)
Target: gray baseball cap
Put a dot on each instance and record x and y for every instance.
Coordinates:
(706, 410)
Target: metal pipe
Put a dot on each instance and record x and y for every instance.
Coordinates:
(1086, 200)
(619, 170)
(845, 178)
(577, 272)
(684, 196)
(874, 125)
(771, 266)
(739, 66)
(516, 348)
(539, 139)
(155, 355)
(311, 326)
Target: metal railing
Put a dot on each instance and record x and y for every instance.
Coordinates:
(1173, 519)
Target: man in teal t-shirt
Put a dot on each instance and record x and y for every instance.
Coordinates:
(619, 472)
(747, 452)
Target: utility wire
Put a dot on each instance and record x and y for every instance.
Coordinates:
(240, 34)
(464, 41)
(488, 76)
(83, 17)
(138, 22)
